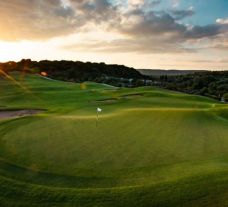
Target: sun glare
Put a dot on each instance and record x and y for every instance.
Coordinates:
(44, 74)
(24, 49)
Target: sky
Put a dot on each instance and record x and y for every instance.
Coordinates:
(146, 34)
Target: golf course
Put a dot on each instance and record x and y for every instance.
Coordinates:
(146, 147)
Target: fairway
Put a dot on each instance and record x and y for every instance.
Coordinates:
(149, 147)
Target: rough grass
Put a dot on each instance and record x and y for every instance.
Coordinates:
(151, 147)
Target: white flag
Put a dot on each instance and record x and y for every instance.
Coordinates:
(99, 110)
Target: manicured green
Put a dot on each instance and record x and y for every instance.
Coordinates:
(150, 147)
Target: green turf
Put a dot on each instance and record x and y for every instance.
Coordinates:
(150, 147)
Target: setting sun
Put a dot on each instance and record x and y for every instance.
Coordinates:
(142, 34)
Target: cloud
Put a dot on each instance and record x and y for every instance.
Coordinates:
(181, 14)
(142, 29)
(212, 61)
(198, 32)
(175, 3)
(143, 46)
(222, 21)
(149, 24)
(139, 3)
(154, 32)
(33, 19)
(44, 19)
(136, 2)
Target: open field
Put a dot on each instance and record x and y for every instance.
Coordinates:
(150, 147)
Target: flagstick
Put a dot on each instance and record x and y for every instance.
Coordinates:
(97, 119)
(98, 111)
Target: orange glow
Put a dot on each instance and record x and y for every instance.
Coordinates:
(7, 76)
(17, 83)
(44, 73)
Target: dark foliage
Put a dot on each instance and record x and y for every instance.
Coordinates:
(211, 84)
(117, 75)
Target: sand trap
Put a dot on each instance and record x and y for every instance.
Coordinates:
(7, 114)
(114, 100)
(107, 100)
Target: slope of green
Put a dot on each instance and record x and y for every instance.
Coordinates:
(150, 147)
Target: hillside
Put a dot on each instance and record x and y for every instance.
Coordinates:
(212, 84)
(150, 146)
(76, 71)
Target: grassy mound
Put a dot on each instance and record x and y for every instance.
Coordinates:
(150, 147)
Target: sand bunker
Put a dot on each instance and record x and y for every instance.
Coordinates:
(107, 100)
(6, 114)
(114, 100)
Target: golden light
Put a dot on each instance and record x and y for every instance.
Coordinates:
(83, 86)
(44, 74)
(14, 81)
(17, 83)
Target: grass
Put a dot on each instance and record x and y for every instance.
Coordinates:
(151, 147)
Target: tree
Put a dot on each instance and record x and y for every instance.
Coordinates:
(225, 97)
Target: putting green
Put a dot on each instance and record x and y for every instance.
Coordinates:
(150, 147)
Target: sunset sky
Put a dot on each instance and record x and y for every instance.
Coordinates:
(165, 34)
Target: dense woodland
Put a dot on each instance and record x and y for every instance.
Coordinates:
(210, 84)
(117, 75)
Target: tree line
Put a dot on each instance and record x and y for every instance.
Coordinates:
(76, 71)
(212, 84)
